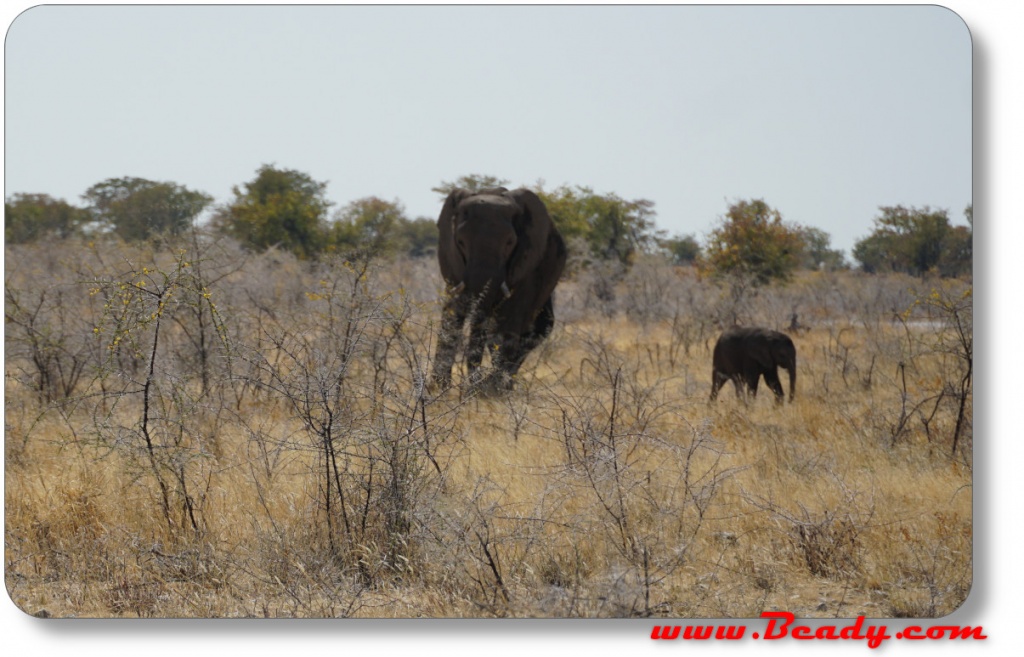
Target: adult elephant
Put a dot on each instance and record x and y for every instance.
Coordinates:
(743, 355)
(501, 257)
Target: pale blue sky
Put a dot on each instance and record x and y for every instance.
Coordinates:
(825, 112)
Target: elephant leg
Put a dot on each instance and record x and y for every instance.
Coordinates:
(475, 350)
(716, 385)
(718, 380)
(452, 318)
(515, 350)
(771, 379)
(505, 361)
(512, 354)
(752, 380)
(545, 322)
(518, 349)
(511, 348)
(739, 384)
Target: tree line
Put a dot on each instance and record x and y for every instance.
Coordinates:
(288, 209)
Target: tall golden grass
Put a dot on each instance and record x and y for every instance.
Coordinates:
(277, 454)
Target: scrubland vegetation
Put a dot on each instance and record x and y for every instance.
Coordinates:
(195, 430)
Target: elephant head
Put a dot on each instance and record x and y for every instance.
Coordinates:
(490, 241)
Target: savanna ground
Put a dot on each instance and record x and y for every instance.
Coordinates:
(193, 431)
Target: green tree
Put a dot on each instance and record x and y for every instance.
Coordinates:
(369, 225)
(915, 241)
(682, 249)
(280, 207)
(614, 228)
(618, 229)
(29, 217)
(753, 241)
(474, 182)
(818, 251)
(957, 257)
(138, 209)
(418, 237)
(958, 248)
(567, 207)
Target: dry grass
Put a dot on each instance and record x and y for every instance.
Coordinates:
(297, 472)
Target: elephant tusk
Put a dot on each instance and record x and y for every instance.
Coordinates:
(504, 290)
(457, 290)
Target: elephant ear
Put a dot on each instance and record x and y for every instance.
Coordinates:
(452, 265)
(533, 226)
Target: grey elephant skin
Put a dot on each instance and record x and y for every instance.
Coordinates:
(744, 355)
(502, 257)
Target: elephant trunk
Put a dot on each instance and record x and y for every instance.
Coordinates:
(489, 287)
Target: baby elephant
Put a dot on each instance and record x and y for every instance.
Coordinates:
(744, 354)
